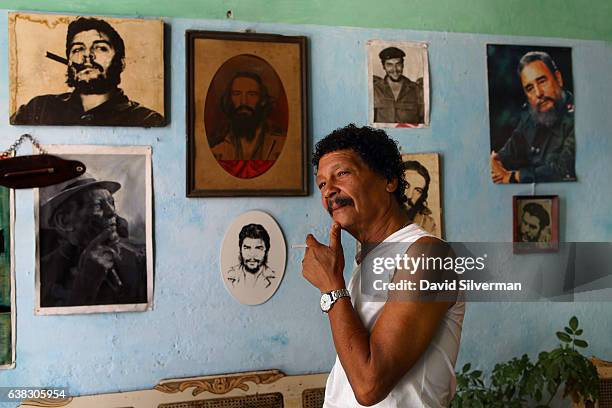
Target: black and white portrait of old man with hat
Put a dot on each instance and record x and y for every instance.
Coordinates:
(86, 254)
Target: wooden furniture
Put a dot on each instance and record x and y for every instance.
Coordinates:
(256, 389)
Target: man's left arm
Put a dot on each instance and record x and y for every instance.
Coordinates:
(374, 362)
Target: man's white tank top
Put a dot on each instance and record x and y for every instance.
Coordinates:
(430, 383)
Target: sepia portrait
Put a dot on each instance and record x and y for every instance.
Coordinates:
(531, 114)
(246, 114)
(75, 70)
(253, 256)
(94, 243)
(423, 186)
(398, 84)
(535, 223)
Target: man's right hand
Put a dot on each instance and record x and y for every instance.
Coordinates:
(95, 262)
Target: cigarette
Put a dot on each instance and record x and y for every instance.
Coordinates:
(299, 246)
(57, 58)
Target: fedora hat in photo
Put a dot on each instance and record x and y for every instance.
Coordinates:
(85, 182)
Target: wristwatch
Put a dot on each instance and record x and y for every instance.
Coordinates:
(328, 299)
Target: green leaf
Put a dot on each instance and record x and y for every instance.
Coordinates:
(573, 323)
(568, 330)
(564, 337)
(578, 332)
(580, 343)
(466, 368)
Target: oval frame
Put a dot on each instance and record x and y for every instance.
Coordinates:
(229, 262)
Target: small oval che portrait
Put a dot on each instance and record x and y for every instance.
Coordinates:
(253, 258)
(246, 116)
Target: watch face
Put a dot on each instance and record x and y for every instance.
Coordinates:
(326, 302)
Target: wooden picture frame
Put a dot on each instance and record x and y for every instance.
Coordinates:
(247, 114)
(536, 230)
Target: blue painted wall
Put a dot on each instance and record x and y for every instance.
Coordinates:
(197, 328)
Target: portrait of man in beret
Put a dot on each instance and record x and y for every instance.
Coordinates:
(398, 84)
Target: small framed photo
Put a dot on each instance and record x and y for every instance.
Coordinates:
(535, 223)
(398, 84)
(85, 71)
(423, 190)
(246, 114)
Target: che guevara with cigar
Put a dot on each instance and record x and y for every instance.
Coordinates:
(95, 58)
(86, 255)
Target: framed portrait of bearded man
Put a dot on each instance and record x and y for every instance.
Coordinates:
(246, 114)
(85, 70)
(423, 190)
(531, 114)
(94, 247)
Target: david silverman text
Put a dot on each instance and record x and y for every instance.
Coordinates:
(464, 284)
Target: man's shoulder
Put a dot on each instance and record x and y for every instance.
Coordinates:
(41, 109)
(141, 115)
(274, 129)
(50, 98)
(268, 272)
(569, 107)
(409, 82)
(233, 271)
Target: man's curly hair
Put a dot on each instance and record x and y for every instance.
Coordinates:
(375, 148)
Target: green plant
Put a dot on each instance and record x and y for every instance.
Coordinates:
(520, 383)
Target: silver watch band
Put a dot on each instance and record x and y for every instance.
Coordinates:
(339, 293)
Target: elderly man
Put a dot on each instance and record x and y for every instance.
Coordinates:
(92, 262)
(252, 272)
(95, 55)
(542, 147)
(397, 99)
(248, 143)
(535, 218)
(394, 353)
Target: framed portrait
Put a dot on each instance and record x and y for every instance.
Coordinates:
(94, 247)
(7, 279)
(253, 258)
(85, 70)
(398, 84)
(535, 223)
(423, 187)
(246, 114)
(531, 114)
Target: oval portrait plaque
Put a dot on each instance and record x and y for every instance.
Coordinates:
(253, 258)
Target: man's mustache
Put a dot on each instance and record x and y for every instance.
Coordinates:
(242, 108)
(341, 201)
(80, 67)
(544, 99)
